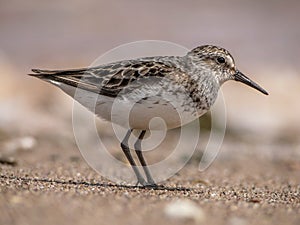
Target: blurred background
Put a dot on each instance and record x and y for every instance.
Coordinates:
(263, 37)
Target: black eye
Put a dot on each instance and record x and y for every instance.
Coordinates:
(221, 60)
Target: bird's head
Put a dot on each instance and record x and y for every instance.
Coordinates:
(219, 62)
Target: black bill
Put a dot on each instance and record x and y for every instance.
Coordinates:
(244, 79)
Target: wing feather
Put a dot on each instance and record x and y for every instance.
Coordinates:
(110, 79)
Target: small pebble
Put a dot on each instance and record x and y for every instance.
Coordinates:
(184, 210)
(237, 221)
(8, 161)
(23, 143)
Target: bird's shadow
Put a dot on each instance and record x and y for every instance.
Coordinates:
(94, 184)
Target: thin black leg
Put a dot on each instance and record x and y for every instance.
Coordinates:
(139, 153)
(126, 150)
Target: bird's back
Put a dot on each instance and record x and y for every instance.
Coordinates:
(146, 87)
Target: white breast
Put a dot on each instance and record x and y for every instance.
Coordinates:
(144, 107)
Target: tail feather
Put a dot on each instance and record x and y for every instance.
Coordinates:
(46, 73)
(70, 77)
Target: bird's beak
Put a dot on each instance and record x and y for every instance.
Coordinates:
(238, 76)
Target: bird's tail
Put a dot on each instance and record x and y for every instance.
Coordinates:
(47, 73)
(71, 77)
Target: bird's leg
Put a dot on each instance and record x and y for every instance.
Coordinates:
(126, 150)
(139, 153)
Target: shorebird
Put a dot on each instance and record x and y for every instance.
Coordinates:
(178, 89)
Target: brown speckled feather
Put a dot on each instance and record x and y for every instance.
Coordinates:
(111, 79)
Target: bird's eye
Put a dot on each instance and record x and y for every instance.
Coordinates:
(221, 60)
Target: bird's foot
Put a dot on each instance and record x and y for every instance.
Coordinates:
(147, 184)
(151, 185)
(141, 181)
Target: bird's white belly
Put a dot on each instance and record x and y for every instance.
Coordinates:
(153, 112)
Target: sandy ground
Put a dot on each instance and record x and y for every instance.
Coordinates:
(56, 186)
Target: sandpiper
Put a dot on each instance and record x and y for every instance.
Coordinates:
(177, 89)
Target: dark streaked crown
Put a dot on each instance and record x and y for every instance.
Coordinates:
(213, 53)
(209, 50)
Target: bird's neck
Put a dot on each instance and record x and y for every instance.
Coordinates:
(206, 85)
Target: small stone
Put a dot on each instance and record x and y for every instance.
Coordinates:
(184, 210)
(233, 207)
(8, 161)
(237, 221)
(23, 143)
(15, 199)
(27, 143)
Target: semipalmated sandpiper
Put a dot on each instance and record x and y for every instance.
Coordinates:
(177, 89)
